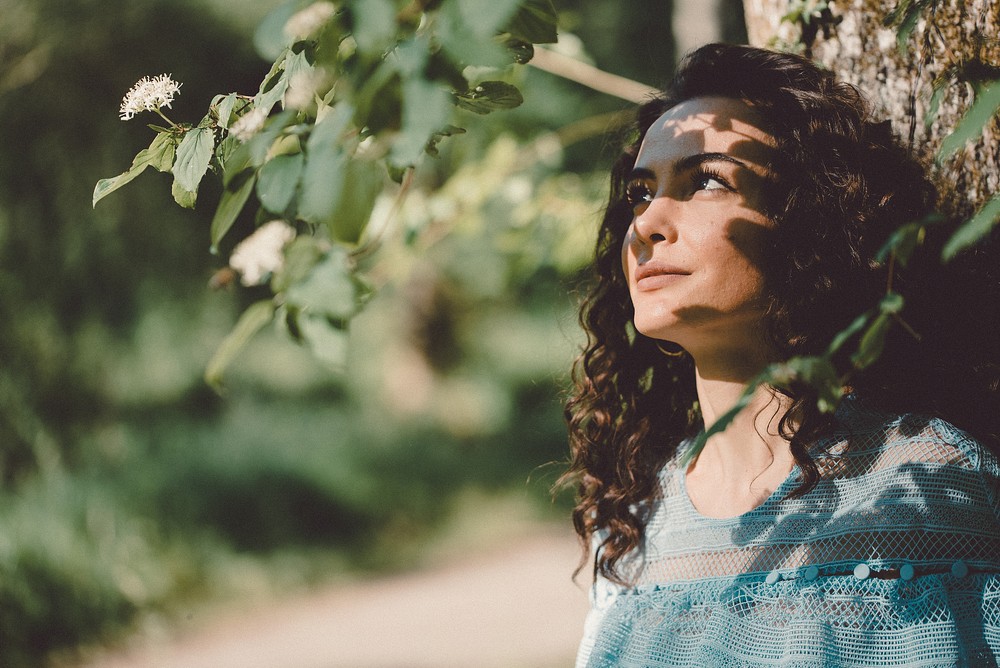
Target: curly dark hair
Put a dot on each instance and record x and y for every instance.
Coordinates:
(844, 185)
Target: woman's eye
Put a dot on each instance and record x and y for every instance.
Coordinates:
(637, 193)
(706, 181)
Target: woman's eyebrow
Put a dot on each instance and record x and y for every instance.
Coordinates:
(640, 173)
(692, 161)
(687, 163)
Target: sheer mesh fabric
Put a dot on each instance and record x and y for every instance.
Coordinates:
(892, 560)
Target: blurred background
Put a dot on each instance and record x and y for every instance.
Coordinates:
(133, 494)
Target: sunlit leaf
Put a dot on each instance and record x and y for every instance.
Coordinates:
(250, 322)
(274, 85)
(159, 155)
(277, 181)
(986, 106)
(234, 197)
(974, 229)
(225, 108)
(185, 198)
(193, 156)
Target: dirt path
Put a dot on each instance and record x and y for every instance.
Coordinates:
(512, 608)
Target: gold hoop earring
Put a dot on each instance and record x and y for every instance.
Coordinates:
(679, 352)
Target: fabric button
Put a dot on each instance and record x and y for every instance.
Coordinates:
(812, 573)
(959, 569)
(862, 571)
(772, 577)
(906, 572)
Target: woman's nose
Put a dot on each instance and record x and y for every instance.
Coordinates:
(654, 223)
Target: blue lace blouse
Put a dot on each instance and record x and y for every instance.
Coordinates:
(893, 559)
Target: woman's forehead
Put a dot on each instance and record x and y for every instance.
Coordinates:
(708, 125)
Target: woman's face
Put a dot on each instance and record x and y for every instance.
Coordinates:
(693, 252)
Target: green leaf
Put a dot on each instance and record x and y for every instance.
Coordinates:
(845, 334)
(300, 257)
(327, 339)
(486, 18)
(410, 57)
(185, 198)
(872, 341)
(720, 425)
(297, 63)
(322, 184)
(973, 229)
(464, 45)
(269, 39)
(986, 106)
(362, 183)
(374, 25)
(277, 181)
(904, 17)
(426, 109)
(816, 371)
(892, 303)
(448, 131)
(234, 197)
(274, 85)
(250, 322)
(905, 240)
(329, 289)
(159, 155)
(193, 156)
(224, 110)
(490, 96)
(535, 23)
(323, 174)
(520, 52)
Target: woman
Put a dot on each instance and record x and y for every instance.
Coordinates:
(743, 229)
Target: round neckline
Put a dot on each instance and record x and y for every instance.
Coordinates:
(779, 492)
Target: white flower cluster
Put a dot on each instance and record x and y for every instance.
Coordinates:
(302, 89)
(307, 22)
(149, 94)
(259, 255)
(249, 124)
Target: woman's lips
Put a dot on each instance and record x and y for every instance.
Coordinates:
(653, 275)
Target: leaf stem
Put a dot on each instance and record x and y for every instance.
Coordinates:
(164, 117)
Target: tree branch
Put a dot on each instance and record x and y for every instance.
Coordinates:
(591, 77)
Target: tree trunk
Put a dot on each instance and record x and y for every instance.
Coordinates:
(955, 42)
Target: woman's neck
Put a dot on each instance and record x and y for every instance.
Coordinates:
(746, 461)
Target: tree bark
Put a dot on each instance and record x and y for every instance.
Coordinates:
(954, 41)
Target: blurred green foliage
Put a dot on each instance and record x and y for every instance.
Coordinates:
(131, 488)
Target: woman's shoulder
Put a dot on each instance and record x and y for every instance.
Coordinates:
(908, 439)
(909, 459)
